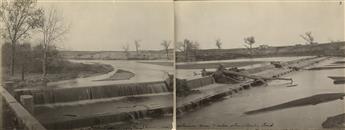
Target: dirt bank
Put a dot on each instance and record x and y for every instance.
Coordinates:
(120, 75)
(66, 71)
(337, 121)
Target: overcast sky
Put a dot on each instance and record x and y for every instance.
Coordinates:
(110, 25)
(270, 23)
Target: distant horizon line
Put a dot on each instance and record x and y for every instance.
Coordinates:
(201, 48)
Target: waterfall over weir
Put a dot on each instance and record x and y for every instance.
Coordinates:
(59, 95)
(128, 89)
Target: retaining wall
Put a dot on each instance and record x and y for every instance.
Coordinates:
(23, 119)
(200, 82)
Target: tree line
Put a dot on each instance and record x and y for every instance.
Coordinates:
(188, 47)
(20, 20)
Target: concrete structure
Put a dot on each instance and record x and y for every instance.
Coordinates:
(61, 95)
(28, 102)
(90, 102)
(214, 91)
(23, 118)
(92, 114)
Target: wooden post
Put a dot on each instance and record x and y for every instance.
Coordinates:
(28, 102)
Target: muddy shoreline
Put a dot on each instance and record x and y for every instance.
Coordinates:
(119, 75)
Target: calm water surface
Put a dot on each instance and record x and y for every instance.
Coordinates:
(143, 73)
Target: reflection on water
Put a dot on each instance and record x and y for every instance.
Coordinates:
(232, 109)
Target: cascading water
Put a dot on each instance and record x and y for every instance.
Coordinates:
(139, 89)
(96, 92)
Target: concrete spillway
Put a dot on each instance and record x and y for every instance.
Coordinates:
(89, 102)
(60, 95)
(91, 115)
(148, 79)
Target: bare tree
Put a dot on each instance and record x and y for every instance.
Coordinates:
(308, 38)
(219, 44)
(18, 18)
(166, 45)
(53, 30)
(137, 46)
(126, 49)
(249, 41)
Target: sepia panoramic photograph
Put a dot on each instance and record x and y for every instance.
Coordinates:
(86, 65)
(172, 64)
(259, 65)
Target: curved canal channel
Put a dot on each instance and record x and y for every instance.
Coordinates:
(142, 73)
(142, 101)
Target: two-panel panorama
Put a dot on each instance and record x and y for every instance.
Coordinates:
(164, 64)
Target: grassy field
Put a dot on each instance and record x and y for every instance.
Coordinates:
(64, 71)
